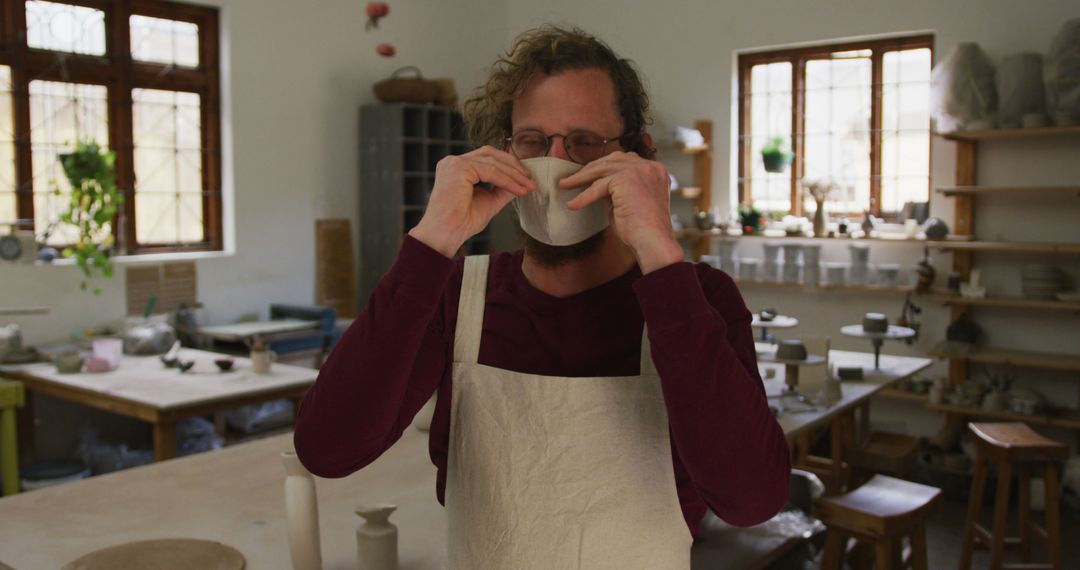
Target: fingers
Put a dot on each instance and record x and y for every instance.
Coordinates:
(487, 166)
(597, 191)
(602, 167)
(501, 156)
(501, 176)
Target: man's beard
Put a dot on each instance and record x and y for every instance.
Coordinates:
(552, 256)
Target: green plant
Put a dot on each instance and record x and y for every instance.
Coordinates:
(750, 219)
(774, 156)
(91, 171)
(774, 146)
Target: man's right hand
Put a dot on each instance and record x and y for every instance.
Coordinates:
(459, 209)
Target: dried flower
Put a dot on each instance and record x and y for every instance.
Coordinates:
(819, 190)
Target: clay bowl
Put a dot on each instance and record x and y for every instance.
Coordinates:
(224, 364)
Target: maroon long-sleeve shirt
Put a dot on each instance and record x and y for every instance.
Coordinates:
(729, 452)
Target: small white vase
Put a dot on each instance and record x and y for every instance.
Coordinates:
(376, 538)
(301, 514)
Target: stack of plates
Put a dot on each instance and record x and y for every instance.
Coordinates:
(1041, 281)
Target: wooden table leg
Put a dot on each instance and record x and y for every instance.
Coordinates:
(25, 422)
(164, 440)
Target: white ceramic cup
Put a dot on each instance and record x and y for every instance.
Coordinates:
(261, 360)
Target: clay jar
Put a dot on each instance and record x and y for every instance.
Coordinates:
(377, 538)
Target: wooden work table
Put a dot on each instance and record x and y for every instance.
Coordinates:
(142, 388)
(236, 496)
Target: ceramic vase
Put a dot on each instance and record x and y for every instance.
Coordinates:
(301, 514)
(820, 227)
(376, 538)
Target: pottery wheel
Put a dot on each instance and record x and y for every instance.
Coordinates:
(163, 554)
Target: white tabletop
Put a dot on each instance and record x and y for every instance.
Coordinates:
(234, 496)
(894, 369)
(145, 380)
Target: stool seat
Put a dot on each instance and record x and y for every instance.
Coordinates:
(1016, 441)
(880, 507)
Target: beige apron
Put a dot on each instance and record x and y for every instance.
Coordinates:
(552, 472)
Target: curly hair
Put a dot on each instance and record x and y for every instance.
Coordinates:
(552, 50)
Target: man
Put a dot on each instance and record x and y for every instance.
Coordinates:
(596, 393)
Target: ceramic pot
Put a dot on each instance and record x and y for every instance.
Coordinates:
(301, 514)
(377, 538)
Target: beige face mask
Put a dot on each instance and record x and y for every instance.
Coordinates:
(544, 214)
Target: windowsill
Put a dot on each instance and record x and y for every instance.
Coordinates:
(145, 258)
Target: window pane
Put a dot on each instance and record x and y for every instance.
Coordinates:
(168, 167)
(905, 141)
(60, 115)
(770, 116)
(63, 27)
(7, 149)
(164, 41)
(837, 128)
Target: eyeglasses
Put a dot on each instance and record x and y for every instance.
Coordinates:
(582, 147)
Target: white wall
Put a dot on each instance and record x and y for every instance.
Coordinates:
(687, 51)
(294, 76)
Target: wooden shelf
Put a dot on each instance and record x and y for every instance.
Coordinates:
(965, 190)
(823, 287)
(1011, 133)
(1047, 360)
(1007, 247)
(887, 238)
(1015, 302)
(897, 394)
(683, 149)
(1060, 418)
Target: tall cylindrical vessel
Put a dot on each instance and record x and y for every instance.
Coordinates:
(377, 538)
(302, 514)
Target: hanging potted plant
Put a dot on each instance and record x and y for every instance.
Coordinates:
(93, 204)
(774, 156)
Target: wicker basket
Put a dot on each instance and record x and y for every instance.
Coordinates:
(399, 89)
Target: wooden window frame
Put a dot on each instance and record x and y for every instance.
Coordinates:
(120, 73)
(798, 57)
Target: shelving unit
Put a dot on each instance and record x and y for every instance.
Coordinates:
(824, 287)
(1005, 246)
(986, 190)
(400, 145)
(1013, 302)
(1026, 359)
(702, 157)
(965, 193)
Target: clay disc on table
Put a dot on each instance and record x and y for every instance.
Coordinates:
(164, 554)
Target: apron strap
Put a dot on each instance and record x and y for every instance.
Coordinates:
(647, 365)
(470, 318)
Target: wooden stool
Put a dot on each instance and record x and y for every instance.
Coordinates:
(883, 452)
(1009, 446)
(881, 512)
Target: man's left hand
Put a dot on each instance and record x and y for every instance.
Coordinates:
(638, 190)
